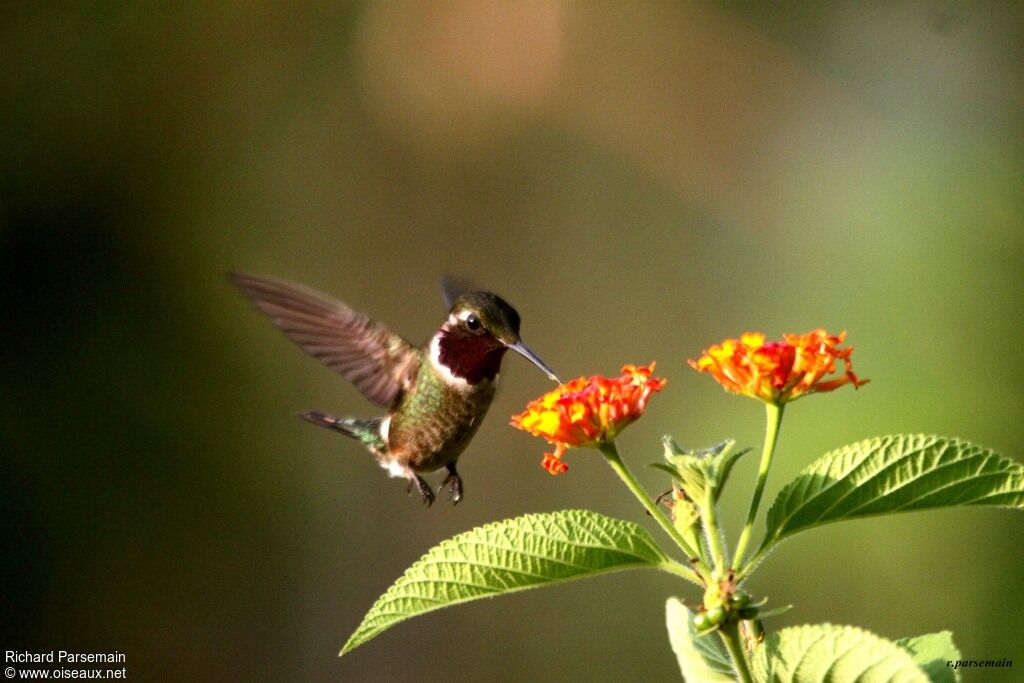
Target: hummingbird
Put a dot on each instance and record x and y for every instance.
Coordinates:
(436, 395)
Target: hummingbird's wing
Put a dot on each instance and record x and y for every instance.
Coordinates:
(378, 362)
(453, 287)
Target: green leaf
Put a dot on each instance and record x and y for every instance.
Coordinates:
(666, 468)
(931, 652)
(701, 659)
(509, 556)
(896, 473)
(833, 654)
(773, 612)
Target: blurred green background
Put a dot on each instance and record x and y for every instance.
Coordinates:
(639, 180)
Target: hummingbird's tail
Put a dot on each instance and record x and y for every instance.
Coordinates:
(366, 431)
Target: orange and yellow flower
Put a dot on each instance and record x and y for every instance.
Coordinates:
(779, 371)
(588, 412)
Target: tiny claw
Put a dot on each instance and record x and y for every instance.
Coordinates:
(453, 483)
(423, 488)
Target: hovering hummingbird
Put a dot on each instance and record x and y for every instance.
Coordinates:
(436, 396)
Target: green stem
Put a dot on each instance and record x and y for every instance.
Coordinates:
(611, 455)
(730, 635)
(742, 573)
(673, 567)
(709, 514)
(774, 415)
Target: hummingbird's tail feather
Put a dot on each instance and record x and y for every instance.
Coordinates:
(367, 431)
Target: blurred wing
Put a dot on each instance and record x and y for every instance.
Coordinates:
(379, 363)
(454, 287)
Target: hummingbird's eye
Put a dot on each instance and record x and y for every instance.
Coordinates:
(473, 323)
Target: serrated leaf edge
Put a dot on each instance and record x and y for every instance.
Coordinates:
(657, 557)
(869, 447)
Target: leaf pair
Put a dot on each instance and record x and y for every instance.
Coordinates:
(888, 474)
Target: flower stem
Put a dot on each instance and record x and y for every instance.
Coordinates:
(709, 513)
(774, 415)
(730, 635)
(611, 455)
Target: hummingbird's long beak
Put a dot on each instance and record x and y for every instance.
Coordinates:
(524, 351)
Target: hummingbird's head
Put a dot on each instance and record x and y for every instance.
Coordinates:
(481, 326)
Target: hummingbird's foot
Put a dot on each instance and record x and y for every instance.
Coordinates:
(454, 485)
(422, 487)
